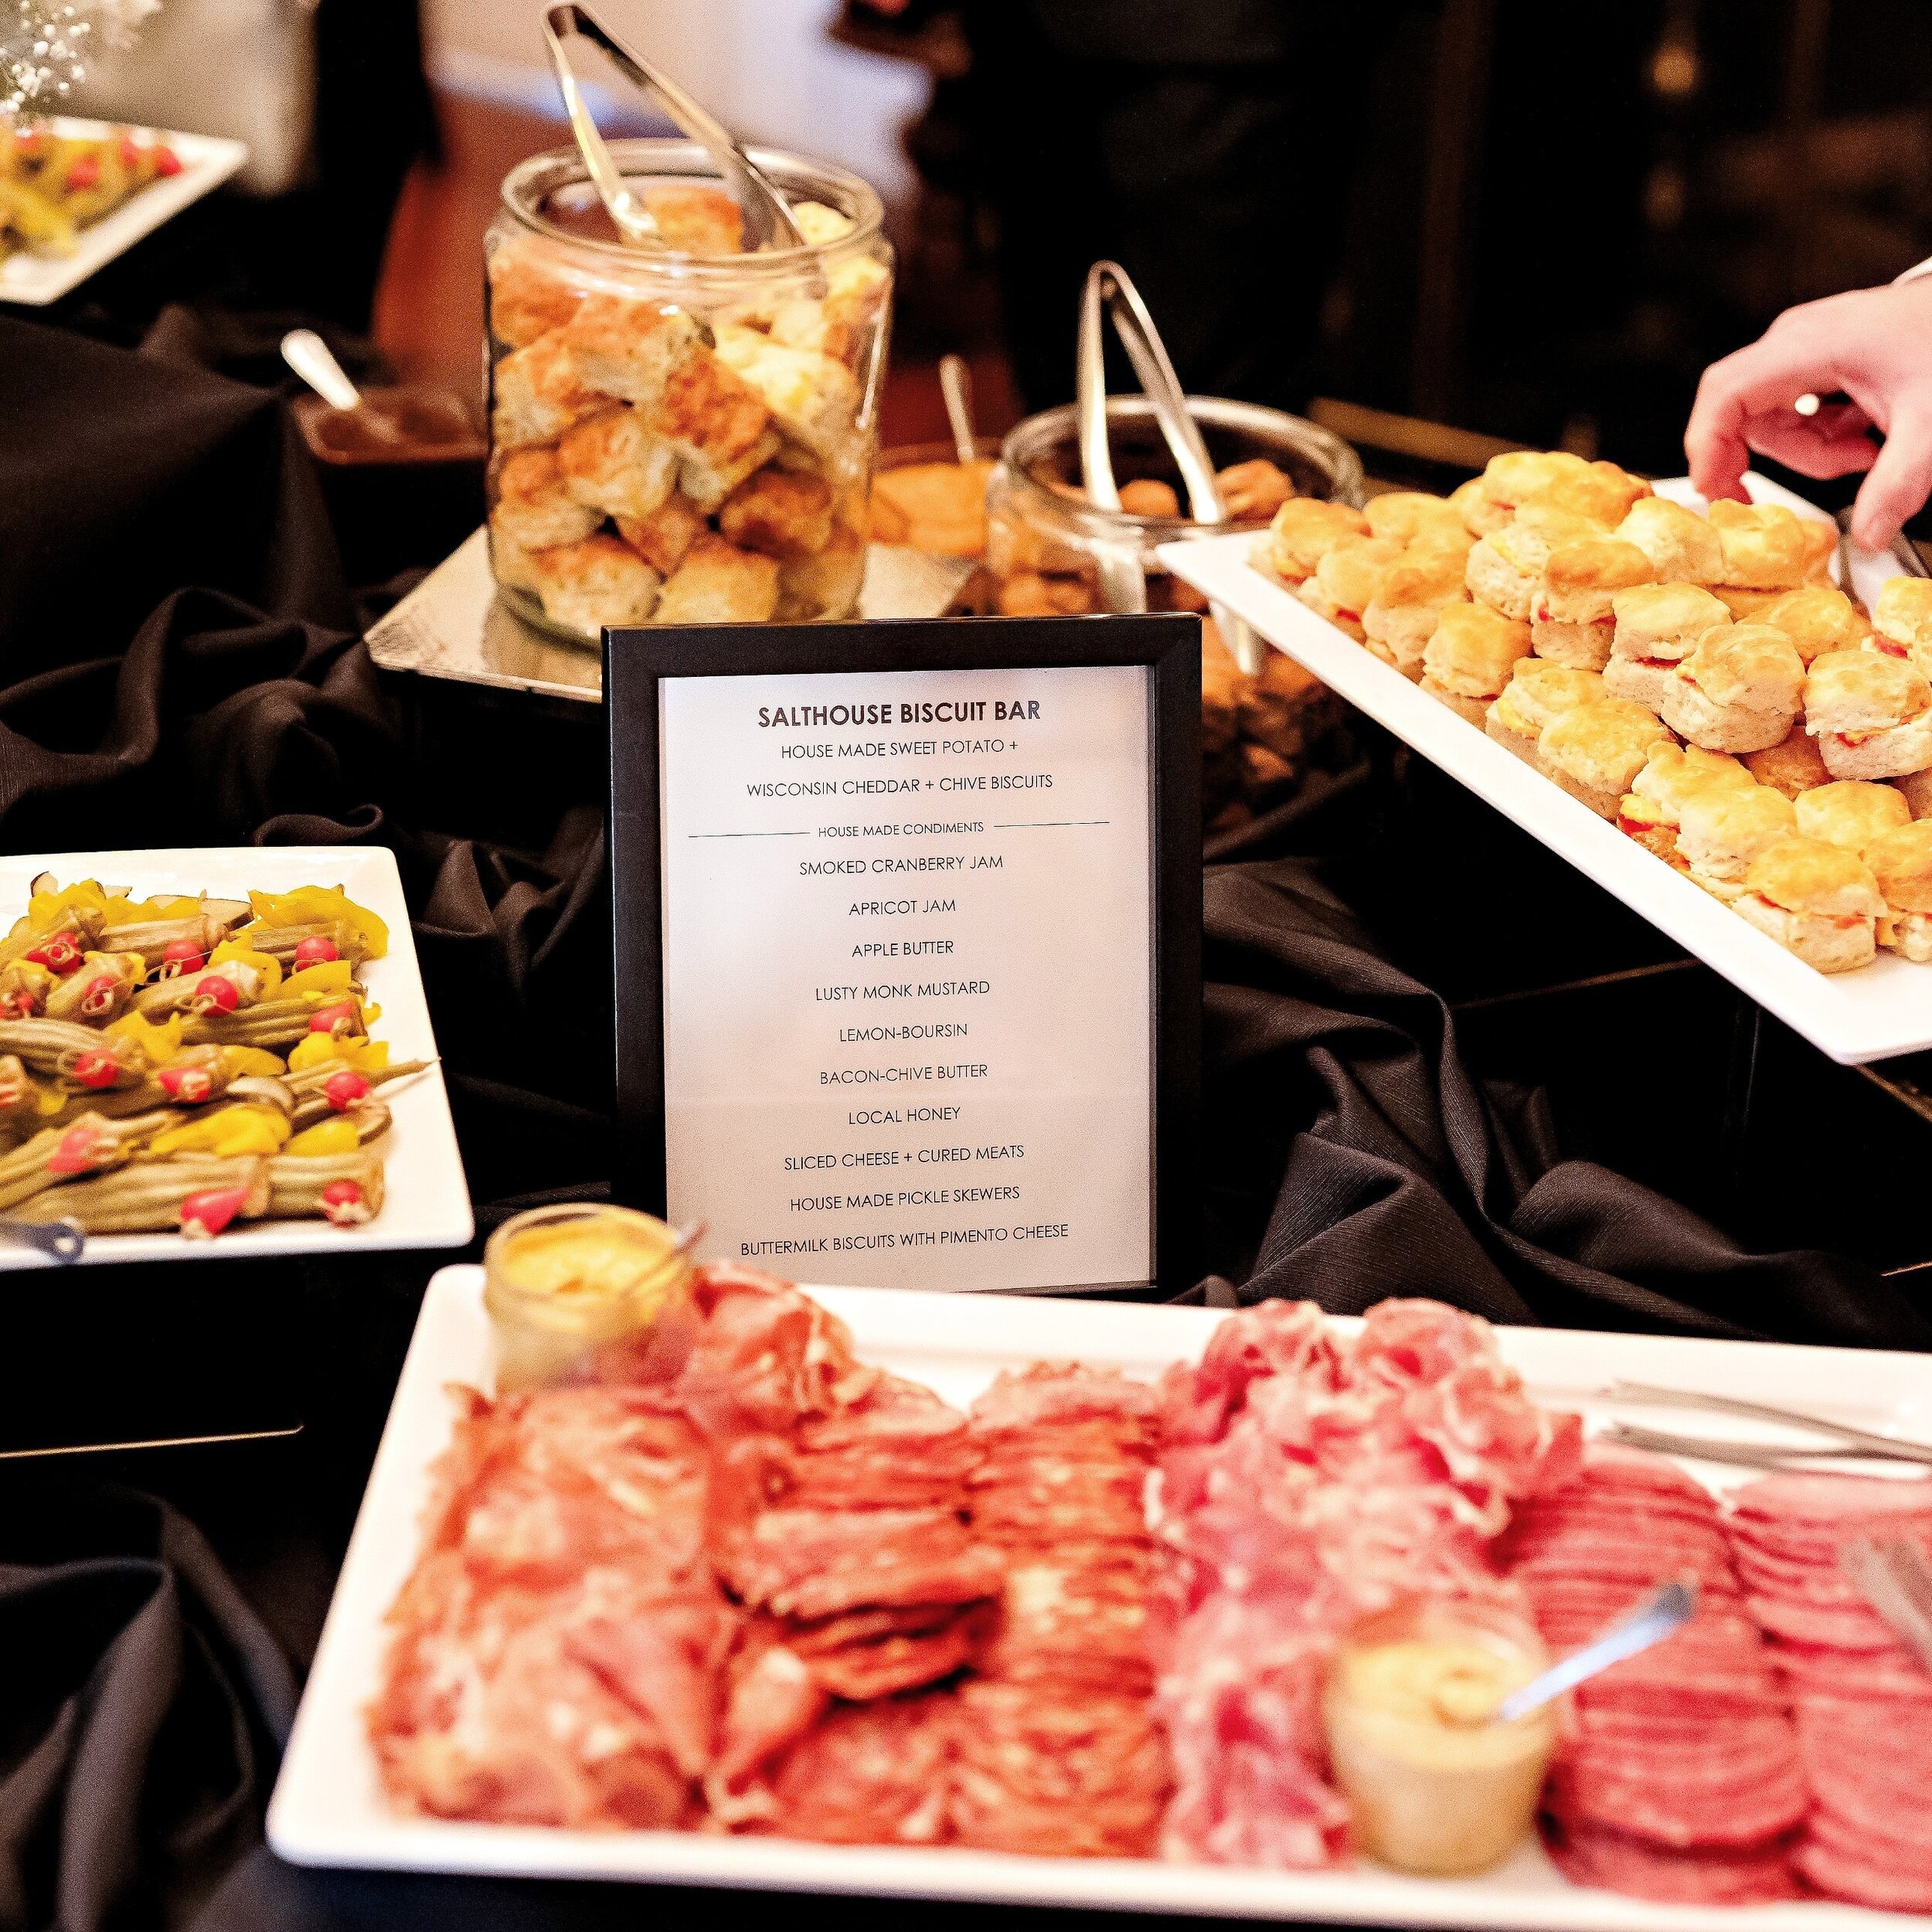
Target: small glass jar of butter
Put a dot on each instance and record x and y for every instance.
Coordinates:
(1435, 1786)
(565, 1283)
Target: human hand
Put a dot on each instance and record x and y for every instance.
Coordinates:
(1875, 346)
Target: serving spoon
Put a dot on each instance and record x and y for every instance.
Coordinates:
(311, 359)
(1667, 1608)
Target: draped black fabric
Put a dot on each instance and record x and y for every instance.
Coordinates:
(177, 666)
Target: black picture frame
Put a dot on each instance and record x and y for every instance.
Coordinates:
(636, 662)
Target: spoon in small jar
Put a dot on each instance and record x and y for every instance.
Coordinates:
(956, 388)
(311, 357)
(1667, 1608)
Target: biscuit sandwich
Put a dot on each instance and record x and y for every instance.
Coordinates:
(1902, 621)
(1511, 482)
(1651, 811)
(1470, 657)
(1723, 829)
(1304, 529)
(1595, 750)
(1571, 616)
(1682, 546)
(1871, 714)
(1850, 812)
(1345, 580)
(1539, 692)
(1410, 595)
(1768, 550)
(1901, 862)
(1817, 901)
(1655, 626)
(1791, 767)
(1741, 689)
(1817, 618)
(1506, 567)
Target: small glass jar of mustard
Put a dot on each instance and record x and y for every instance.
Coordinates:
(563, 1283)
(1435, 1785)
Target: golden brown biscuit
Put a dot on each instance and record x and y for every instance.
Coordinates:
(1345, 581)
(626, 347)
(1572, 618)
(1657, 625)
(1765, 546)
(717, 583)
(1682, 546)
(1902, 622)
(537, 395)
(813, 397)
(1650, 812)
(534, 508)
(1539, 692)
(1599, 492)
(1817, 901)
(1741, 689)
(779, 514)
(662, 538)
(1849, 812)
(1723, 828)
(1791, 767)
(1411, 596)
(612, 463)
(1470, 657)
(1901, 862)
(1504, 569)
(1304, 529)
(718, 424)
(585, 586)
(1479, 515)
(695, 220)
(1871, 714)
(1596, 749)
(1251, 492)
(527, 297)
(1817, 618)
(1406, 515)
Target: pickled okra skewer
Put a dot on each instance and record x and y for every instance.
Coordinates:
(199, 1195)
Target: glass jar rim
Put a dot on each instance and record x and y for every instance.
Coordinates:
(531, 182)
(1028, 441)
(674, 1258)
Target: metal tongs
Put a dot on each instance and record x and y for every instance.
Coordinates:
(1895, 1578)
(1123, 581)
(767, 217)
(1849, 1442)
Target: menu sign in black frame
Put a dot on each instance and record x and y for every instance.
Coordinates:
(907, 944)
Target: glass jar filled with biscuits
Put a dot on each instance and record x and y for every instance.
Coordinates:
(683, 434)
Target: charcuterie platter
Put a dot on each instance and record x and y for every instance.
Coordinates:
(896, 1762)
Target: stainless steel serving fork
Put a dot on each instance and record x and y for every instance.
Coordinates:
(1851, 1442)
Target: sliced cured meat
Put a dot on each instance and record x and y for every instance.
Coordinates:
(1056, 1394)
(1842, 1874)
(1078, 1622)
(1085, 1776)
(811, 1564)
(1587, 1855)
(1849, 1626)
(871, 1773)
(902, 1660)
(1289, 1339)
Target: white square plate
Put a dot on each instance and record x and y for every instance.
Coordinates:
(328, 1809)
(206, 161)
(1881, 1010)
(426, 1201)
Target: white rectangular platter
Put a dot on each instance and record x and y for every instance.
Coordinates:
(206, 161)
(1881, 1010)
(328, 1808)
(426, 1203)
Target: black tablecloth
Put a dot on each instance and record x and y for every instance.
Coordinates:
(177, 666)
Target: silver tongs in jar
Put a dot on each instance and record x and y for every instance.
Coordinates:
(1123, 580)
(767, 217)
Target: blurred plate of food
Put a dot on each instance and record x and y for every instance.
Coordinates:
(76, 194)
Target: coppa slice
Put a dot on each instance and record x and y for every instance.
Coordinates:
(871, 1773)
(1590, 1854)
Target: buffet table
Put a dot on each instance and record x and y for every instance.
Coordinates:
(183, 667)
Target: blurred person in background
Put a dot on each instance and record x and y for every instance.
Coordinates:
(1204, 145)
(1864, 357)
